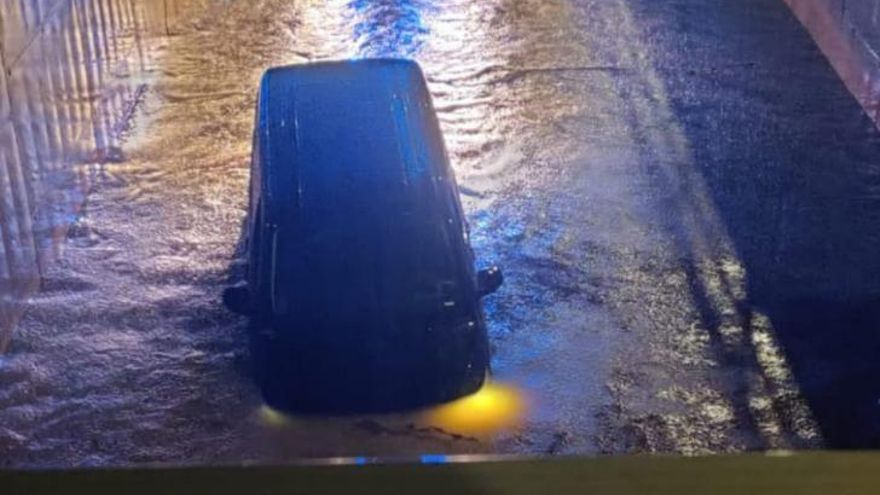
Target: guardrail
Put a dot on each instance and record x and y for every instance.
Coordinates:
(802, 474)
(72, 70)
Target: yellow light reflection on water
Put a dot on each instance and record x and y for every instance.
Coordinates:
(493, 408)
(273, 417)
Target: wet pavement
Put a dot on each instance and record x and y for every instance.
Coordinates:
(681, 193)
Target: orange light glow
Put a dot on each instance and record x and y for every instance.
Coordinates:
(493, 408)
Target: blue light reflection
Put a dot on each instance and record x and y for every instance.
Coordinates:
(434, 459)
(389, 28)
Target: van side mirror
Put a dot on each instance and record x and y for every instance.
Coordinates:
(237, 299)
(488, 280)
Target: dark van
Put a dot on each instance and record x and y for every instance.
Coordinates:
(360, 281)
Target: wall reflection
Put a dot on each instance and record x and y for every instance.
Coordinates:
(72, 71)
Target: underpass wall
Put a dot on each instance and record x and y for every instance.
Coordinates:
(72, 73)
(848, 33)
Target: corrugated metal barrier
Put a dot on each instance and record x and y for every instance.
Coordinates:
(72, 72)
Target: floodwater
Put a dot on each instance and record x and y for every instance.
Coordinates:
(664, 203)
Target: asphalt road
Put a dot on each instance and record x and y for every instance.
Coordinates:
(682, 194)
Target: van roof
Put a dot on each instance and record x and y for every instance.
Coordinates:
(361, 132)
(353, 160)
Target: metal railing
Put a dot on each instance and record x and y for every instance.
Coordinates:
(777, 473)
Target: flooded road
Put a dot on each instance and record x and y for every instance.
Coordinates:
(674, 220)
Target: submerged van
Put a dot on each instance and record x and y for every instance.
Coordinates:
(360, 277)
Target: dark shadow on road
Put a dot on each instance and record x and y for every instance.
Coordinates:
(792, 167)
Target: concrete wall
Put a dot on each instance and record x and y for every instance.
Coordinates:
(71, 72)
(848, 32)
